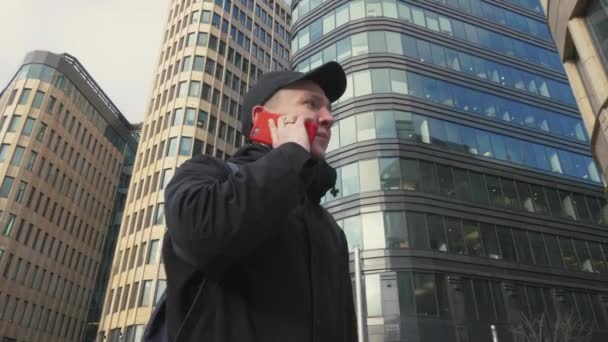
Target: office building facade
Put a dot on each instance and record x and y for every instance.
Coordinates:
(211, 52)
(61, 160)
(464, 169)
(580, 30)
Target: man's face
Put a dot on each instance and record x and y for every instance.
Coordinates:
(308, 99)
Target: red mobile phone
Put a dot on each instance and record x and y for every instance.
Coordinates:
(261, 132)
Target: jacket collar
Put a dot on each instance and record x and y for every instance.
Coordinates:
(321, 175)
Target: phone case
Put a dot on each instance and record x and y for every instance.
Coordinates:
(261, 132)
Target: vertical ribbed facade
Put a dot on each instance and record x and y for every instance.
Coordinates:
(211, 53)
(464, 168)
(63, 150)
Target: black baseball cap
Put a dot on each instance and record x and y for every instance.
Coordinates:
(329, 76)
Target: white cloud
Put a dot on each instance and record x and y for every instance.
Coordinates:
(117, 41)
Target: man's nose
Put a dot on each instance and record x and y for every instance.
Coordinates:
(325, 117)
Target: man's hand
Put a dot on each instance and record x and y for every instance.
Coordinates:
(289, 129)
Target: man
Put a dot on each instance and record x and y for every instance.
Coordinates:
(250, 255)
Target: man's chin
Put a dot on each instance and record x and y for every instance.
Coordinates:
(318, 153)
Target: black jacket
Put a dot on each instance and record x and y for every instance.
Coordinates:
(275, 263)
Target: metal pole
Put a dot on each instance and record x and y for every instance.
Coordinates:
(359, 295)
(494, 334)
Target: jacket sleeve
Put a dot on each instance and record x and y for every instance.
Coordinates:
(216, 217)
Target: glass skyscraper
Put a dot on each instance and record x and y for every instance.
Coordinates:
(463, 166)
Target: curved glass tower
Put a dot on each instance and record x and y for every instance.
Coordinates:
(211, 51)
(464, 168)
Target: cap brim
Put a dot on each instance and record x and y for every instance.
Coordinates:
(330, 77)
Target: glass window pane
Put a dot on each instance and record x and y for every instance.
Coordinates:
(398, 82)
(353, 231)
(470, 143)
(437, 237)
(507, 247)
(553, 249)
(406, 293)
(538, 198)
(390, 174)
(442, 295)
(472, 238)
(348, 131)
(461, 185)
(499, 148)
(454, 139)
(446, 181)
(581, 208)
(538, 248)
(377, 42)
(479, 190)
(385, 125)
(526, 196)
(535, 300)
(493, 186)
(599, 263)
(425, 294)
(393, 42)
(584, 258)
(514, 150)
(381, 81)
(410, 175)
(28, 127)
(454, 233)
(360, 44)
(437, 132)
(373, 295)
(5, 188)
(404, 125)
(395, 230)
(485, 307)
(343, 48)
(362, 83)
(523, 246)
(366, 129)
(373, 231)
(146, 288)
(490, 241)
(583, 302)
(568, 256)
(160, 289)
(357, 10)
(185, 146)
(428, 183)
(483, 142)
(469, 297)
(350, 179)
(568, 204)
(416, 224)
(369, 175)
(418, 17)
(17, 156)
(510, 199)
(329, 23)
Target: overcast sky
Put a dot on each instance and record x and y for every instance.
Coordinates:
(117, 41)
